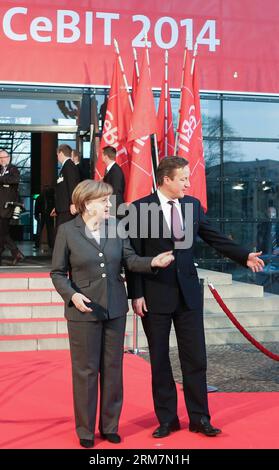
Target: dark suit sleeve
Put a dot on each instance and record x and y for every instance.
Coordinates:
(12, 177)
(71, 175)
(60, 266)
(133, 262)
(134, 280)
(221, 242)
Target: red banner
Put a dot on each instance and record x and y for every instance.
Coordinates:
(70, 42)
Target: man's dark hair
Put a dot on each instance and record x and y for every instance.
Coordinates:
(65, 149)
(110, 152)
(167, 167)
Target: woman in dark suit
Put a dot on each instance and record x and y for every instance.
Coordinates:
(90, 250)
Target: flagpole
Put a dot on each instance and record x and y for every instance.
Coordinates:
(194, 58)
(166, 105)
(123, 74)
(154, 135)
(179, 109)
(136, 62)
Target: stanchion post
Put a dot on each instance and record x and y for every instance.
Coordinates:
(210, 388)
(135, 334)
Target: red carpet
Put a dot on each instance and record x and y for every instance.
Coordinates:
(36, 409)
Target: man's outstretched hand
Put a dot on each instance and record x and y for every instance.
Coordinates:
(254, 262)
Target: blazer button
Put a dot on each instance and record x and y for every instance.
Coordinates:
(101, 254)
(102, 265)
(104, 275)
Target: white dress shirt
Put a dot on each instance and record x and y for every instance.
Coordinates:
(166, 208)
(109, 166)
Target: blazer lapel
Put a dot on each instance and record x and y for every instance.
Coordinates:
(80, 224)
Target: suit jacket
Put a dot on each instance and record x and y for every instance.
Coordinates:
(115, 178)
(162, 291)
(67, 180)
(9, 182)
(83, 174)
(95, 268)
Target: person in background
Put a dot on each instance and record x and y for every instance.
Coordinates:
(77, 161)
(268, 233)
(43, 207)
(114, 176)
(67, 180)
(96, 306)
(9, 181)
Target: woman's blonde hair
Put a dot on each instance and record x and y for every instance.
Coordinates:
(88, 190)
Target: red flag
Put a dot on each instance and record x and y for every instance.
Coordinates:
(165, 134)
(144, 121)
(143, 124)
(190, 144)
(116, 124)
(140, 180)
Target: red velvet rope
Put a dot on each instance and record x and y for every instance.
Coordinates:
(239, 326)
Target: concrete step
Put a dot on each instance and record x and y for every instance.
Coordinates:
(233, 336)
(33, 343)
(215, 277)
(32, 310)
(247, 319)
(19, 296)
(237, 290)
(268, 302)
(25, 281)
(33, 326)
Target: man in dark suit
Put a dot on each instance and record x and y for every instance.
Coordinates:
(67, 180)
(174, 296)
(83, 174)
(114, 176)
(9, 181)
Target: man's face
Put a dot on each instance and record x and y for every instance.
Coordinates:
(60, 157)
(179, 183)
(4, 159)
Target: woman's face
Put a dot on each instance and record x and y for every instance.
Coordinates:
(99, 208)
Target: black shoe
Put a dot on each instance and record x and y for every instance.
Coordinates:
(87, 443)
(18, 257)
(166, 428)
(112, 437)
(204, 427)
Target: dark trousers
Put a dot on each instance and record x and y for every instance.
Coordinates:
(192, 355)
(97, 351)
(49, 222)
(5, 238)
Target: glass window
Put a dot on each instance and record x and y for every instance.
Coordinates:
(212, 157)
(210, 110)
(38, 112)
(251, 159)
(251, 119)
(213, 189)
(240, 199)
(243, 233)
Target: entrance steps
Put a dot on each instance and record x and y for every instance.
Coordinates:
(32, 313)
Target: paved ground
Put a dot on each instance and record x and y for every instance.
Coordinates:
(237, 368)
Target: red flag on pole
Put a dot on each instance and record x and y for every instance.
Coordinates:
(143, 124)
(144, 121)
(165, 133)
(190, 144)
(116, 124)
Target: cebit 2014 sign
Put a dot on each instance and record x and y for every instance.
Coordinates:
(64, 42)
(68, 27)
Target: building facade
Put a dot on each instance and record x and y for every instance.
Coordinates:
(56, 69)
